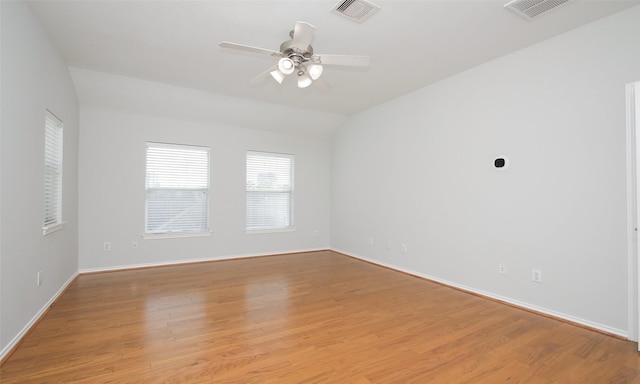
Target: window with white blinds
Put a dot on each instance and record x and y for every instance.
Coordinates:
(52, 173)
(177, 185)
(269, 191)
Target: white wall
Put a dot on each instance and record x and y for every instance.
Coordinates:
(112, 172)
(419, 170)
(34, 78)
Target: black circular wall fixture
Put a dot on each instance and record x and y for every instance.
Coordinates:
(500, 163)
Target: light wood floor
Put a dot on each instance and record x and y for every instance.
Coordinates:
(305, 318)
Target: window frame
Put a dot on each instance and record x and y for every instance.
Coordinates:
(175, 232)
(291, 191)
(53, 173)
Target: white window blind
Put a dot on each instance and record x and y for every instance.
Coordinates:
(52, 173)
(177, 185)
(269, 191)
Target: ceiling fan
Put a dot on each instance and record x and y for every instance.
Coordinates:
(296, 57)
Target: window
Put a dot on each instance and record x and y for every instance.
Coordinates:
(269, 191)
(177, 185)
(52, 173)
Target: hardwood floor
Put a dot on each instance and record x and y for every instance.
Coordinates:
(305, 318)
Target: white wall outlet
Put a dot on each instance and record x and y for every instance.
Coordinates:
(502, 269)
(371, 241)
(134, 245)
(403, 247)
(316, 233)
(107, 246)
(536, 275)
(39, 278)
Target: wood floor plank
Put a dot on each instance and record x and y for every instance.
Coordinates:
(317, 317)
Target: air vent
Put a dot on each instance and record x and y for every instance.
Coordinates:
(355, 10)
(530, 9)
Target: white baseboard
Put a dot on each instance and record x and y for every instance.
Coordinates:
(190, 261)
(13, 343)
(510, 301)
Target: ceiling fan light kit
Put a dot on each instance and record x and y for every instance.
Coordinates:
(277, 75)
(315, 71)
(304, 80)
(296, 55)
(286, 65)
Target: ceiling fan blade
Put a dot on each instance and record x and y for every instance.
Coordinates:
(302, 35)
(248, 48)
(271, 74)
(261, 78)
(346, 60)
(321, 84)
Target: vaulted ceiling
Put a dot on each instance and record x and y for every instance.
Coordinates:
(411, 43)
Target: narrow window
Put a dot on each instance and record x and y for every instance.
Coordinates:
(269, 192)
(52, 173)
(177, 186)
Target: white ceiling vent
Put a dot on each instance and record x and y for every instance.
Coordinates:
(355, 10)
(530, 9)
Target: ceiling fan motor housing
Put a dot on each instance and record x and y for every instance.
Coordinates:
(295, 54)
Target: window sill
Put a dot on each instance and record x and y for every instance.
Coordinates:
(53, 228)
(270, 230)
(174, 235)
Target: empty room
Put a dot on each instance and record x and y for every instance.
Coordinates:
(426, 191)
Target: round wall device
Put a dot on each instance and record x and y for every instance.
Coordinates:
(500, 163)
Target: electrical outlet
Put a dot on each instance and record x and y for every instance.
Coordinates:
(39, 278)
(536, 275)
(371, 241)
(316, 233)
(134, 245)
(107, 246)
(403, 247)
(502, 269)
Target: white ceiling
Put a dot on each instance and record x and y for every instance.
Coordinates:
(411, 43)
